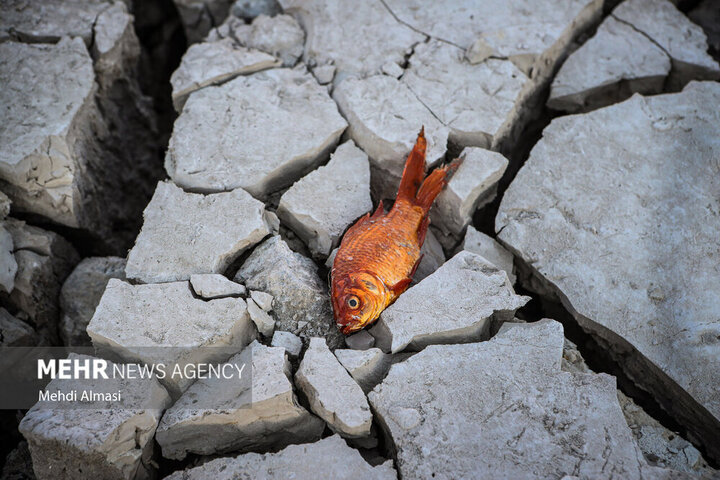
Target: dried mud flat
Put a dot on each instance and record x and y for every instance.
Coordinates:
(179, 174)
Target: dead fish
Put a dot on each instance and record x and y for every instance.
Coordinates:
(380, 253)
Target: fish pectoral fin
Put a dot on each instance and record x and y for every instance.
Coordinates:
(400, 286)
(415, 267)
(422, 230)
(403, 284)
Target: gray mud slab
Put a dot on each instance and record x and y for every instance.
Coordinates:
(624, 232)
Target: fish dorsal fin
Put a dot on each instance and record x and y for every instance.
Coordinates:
(379, 211)
(357, 225)
(364, 220)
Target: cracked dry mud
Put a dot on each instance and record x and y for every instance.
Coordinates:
(291, 119)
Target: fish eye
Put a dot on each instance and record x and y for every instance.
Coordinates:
(353, 302)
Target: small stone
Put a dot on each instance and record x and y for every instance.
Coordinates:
(44, 260)
(224, 30)
(330, 457)
(81, 294)
(98, 439)
(320, 206)
(264, 322)
(478, 52)
(14, 332)
(199, 16)
(30, 237)
(671, 30)
(214, 285)
(331, 259)
(280, 36)
(8, 265)
(250, 147)
(213, 63)
(263, 300)
(334, 27)
(109, 27)
(572, 360)
(332, 393)
(371, 106)
(476, 112)
(361, 340)
(473, 185)
(273, 222)
(299, 295)
(249, 9)
(206, 232)
(289, 341)
(324, 74)
(259, 411)
(615, 63)
(392, 69)
(367, 367)
(480, 244)
(115, 47)
(456, 304)
(131, 319)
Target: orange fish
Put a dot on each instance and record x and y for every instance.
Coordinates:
(380, 253)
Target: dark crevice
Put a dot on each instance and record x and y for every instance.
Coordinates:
(385, 448)
(10, 438)
(161, 35)
(484, 218)
(208, 12)
(686, 5)
(166, 466)
(232, 270)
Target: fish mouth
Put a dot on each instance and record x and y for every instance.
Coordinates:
(350, 328)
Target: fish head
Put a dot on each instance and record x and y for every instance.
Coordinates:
(358, 299)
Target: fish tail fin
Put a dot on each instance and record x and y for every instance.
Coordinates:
(433, 185)
(414, 171)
